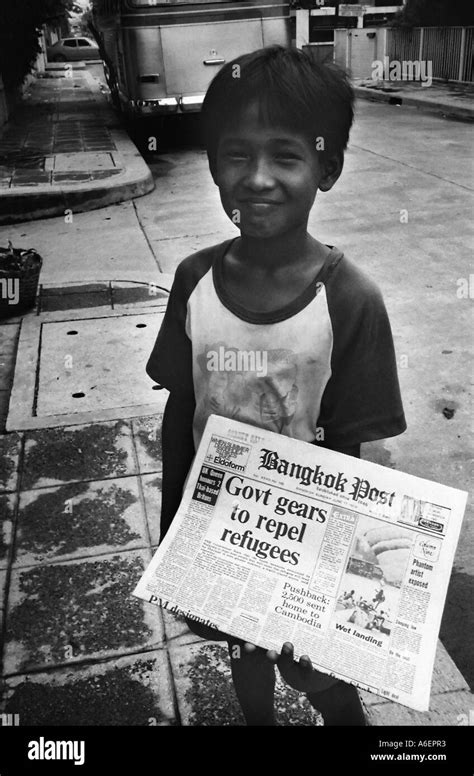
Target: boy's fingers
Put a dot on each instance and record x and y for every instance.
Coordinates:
(249, 648)
(287, 652)
(305, 664)
(272, 655)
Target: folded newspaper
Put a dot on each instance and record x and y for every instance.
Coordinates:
(279, 540)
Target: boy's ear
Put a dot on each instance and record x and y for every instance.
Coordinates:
(332, 169)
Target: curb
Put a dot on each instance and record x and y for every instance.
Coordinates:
(375, 95)
(35, 202)
(31, 204)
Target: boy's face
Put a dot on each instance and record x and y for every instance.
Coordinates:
(268, 176)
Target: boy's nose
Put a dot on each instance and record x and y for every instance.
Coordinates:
(259, 175)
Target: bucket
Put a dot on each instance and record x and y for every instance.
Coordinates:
(19, 277)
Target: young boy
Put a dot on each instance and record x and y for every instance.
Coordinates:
(276, 126)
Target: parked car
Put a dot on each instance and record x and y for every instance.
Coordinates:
(73, 50)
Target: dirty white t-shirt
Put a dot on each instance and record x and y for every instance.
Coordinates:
(320, 368)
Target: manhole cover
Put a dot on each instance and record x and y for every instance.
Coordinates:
(85, 369)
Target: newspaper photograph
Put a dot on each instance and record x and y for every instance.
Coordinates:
(279, 540)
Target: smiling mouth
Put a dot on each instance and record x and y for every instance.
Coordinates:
(259, 203)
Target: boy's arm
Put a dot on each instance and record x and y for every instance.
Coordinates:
(170, 365)
(178, 452)
(353, 450)
(361, 401)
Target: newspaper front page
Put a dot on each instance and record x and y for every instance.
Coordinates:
(279, 540)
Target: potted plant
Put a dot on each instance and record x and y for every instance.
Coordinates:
(19, 275)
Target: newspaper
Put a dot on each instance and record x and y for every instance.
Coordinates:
(279, 540)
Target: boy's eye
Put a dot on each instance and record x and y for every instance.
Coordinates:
(287, 157)
(236, 154)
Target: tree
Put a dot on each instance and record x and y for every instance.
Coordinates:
(435, 13)
(20, 25)
(86, 22)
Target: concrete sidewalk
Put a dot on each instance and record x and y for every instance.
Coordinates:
(64, 151)
(448, 99)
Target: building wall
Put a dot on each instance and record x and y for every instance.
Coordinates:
(40, 64)
(448, 50)
(357, 49)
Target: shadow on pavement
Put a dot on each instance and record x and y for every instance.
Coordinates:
(457, 625)
(154, 137)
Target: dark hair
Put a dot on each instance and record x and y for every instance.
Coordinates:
(291, 91)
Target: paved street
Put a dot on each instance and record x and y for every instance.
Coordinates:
(402, 210)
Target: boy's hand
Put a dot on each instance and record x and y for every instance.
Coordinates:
(300, 675)
(250, 649)
(297, 674)
(204, 631)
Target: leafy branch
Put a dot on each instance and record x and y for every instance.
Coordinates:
(20, 26)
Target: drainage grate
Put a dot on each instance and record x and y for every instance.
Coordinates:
(85, 369)
(94, 364)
